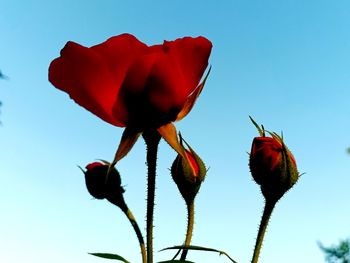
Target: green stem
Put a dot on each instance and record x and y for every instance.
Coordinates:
(152, 139)
(190, 223)
(137, 230)
(269, 205)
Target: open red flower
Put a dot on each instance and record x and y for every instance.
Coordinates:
(129, 84)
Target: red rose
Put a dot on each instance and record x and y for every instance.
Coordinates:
(272, 166)
(129, 84)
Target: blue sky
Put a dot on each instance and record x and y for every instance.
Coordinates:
(286, 63)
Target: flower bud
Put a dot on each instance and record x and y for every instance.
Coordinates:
(272, 166)
(100, 185)
(188, 173)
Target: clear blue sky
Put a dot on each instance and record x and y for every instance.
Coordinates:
(286, 63)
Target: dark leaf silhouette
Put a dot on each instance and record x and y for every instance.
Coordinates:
(201, 249)
(176, 261)
(110, 256)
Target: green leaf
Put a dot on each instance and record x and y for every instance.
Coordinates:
(176, 261)
(110, 256)
(201, 249)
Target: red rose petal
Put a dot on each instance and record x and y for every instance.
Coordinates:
(93, 165)
(153, 90)
(127, 83)
(84, 75)
(193, 162)
(119, 52)
(191, 55)
(266, 157)
(165, 86)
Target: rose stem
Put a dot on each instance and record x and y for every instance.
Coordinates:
(190, 223)
(137, 230)
(269, 205)
(152, 138)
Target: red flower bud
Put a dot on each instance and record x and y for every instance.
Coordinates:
(272, 166)
(102, 186)
(95, 179)
(188, 173)
(127, 83)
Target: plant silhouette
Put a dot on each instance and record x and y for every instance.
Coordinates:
(337, 253)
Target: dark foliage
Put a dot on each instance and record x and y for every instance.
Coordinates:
(337, 254)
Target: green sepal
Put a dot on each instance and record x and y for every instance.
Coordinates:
(110, 256)
(261, 129)
(201, 165)
(288, 169)
(129, 138)
(291, 169)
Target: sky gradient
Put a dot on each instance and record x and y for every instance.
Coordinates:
(286, 63)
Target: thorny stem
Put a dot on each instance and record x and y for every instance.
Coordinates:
(269, 205)
(152, 138)
(190, 223)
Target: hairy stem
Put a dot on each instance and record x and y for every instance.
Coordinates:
(269, 205)
(152, 139)
(137, 230)
(190, 223)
